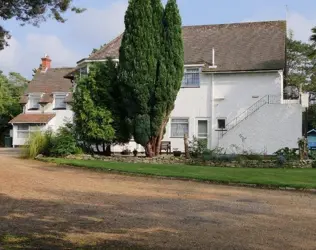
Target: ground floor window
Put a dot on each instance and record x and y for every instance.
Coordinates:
(179, 127)
(24, 130)
(221, 123)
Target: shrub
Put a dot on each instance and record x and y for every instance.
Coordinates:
(314, 164)
(197, 147)
(38, 143)
(64, 143)
(287, 153)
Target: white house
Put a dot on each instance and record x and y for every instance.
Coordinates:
(232, 91)
(45, 103)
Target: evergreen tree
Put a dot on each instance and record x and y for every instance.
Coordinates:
(151, 69)
(137, 69)
(170, 71)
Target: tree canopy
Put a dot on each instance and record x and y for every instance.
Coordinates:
(32, 12)
(150, 68)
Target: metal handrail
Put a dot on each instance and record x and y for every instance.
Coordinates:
(267, 99)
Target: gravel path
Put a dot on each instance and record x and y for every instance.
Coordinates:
(43, 206)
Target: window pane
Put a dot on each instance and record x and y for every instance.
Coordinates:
(34, 102)
(23, 127)
(191, 78)
(221, 123)
(179, 121)
(179, 129)
(202, 128)
(35, 128)
(23, 134)
(60, 101)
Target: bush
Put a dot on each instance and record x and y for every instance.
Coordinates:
(197, 147)
(38, 143)
(64, 143)
(314, 164)
(287, 153)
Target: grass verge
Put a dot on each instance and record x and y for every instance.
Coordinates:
(272, 178)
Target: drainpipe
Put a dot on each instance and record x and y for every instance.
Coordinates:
(282, 85)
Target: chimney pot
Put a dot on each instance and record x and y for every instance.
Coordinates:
(46, 63)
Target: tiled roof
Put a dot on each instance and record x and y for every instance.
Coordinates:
(69, 98)
(50, 81)
(238, 46)
(33, 118)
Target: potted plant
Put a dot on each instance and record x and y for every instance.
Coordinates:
(135, 152)
(176, 152)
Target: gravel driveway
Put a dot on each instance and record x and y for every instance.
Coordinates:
(43, 206)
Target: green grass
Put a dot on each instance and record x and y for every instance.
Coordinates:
(295, 178)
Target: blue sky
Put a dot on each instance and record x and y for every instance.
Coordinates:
(104, 19)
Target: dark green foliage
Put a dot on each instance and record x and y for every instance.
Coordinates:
(11, 88)
(93, 121)
(63, 143)
(287, 153)
(32, 11)
(150, 69)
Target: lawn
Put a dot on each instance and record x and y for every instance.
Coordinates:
(295, 178)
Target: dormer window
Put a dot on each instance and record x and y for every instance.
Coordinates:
(60, 101)
(34, 102)
(191, 78)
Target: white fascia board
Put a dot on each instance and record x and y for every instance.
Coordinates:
(242, 71)
(193, 65)
(99, 60)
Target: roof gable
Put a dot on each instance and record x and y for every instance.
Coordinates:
(238, 46)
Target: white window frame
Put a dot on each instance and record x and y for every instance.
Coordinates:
(185, 81)
(31, 128)
(60, 96)
(179, 118)
(83, 71)
(31, 104)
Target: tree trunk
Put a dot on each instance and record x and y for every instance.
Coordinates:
(149, 150)
(97, 147)
(108, 150)
(103, 146)
(160, 136)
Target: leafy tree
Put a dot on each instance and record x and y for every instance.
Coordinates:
(300, 69)
(11, 89)
(93, 122)
(149, 69)
(33, 12)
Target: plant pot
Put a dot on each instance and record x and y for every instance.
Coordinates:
(177, 153)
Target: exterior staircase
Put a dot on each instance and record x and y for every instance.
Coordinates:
(267, 99)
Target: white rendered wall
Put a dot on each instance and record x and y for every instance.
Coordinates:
(272, 127)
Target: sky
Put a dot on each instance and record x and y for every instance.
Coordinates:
(103, 20)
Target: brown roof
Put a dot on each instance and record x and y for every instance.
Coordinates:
(238, 46)
(32, 118)
(69, 98)
(50, 81)
(23, 99)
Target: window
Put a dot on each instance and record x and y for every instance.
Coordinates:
(221, 123)
(83, 71)
(24, 130)
(34, 102)
(179, 127)
(202, 129)
(60, 101)
(191, 78)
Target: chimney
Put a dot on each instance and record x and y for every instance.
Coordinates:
(46, 61)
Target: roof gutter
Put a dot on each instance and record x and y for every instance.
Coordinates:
(242, 71)
(98, 60)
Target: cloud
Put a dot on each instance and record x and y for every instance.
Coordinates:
(98, 26)
(64, 43)
(24, 58)
(300, 25)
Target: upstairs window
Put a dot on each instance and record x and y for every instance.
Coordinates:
(60, 101)
(34, 102)
(191, 78)
(83, 71)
